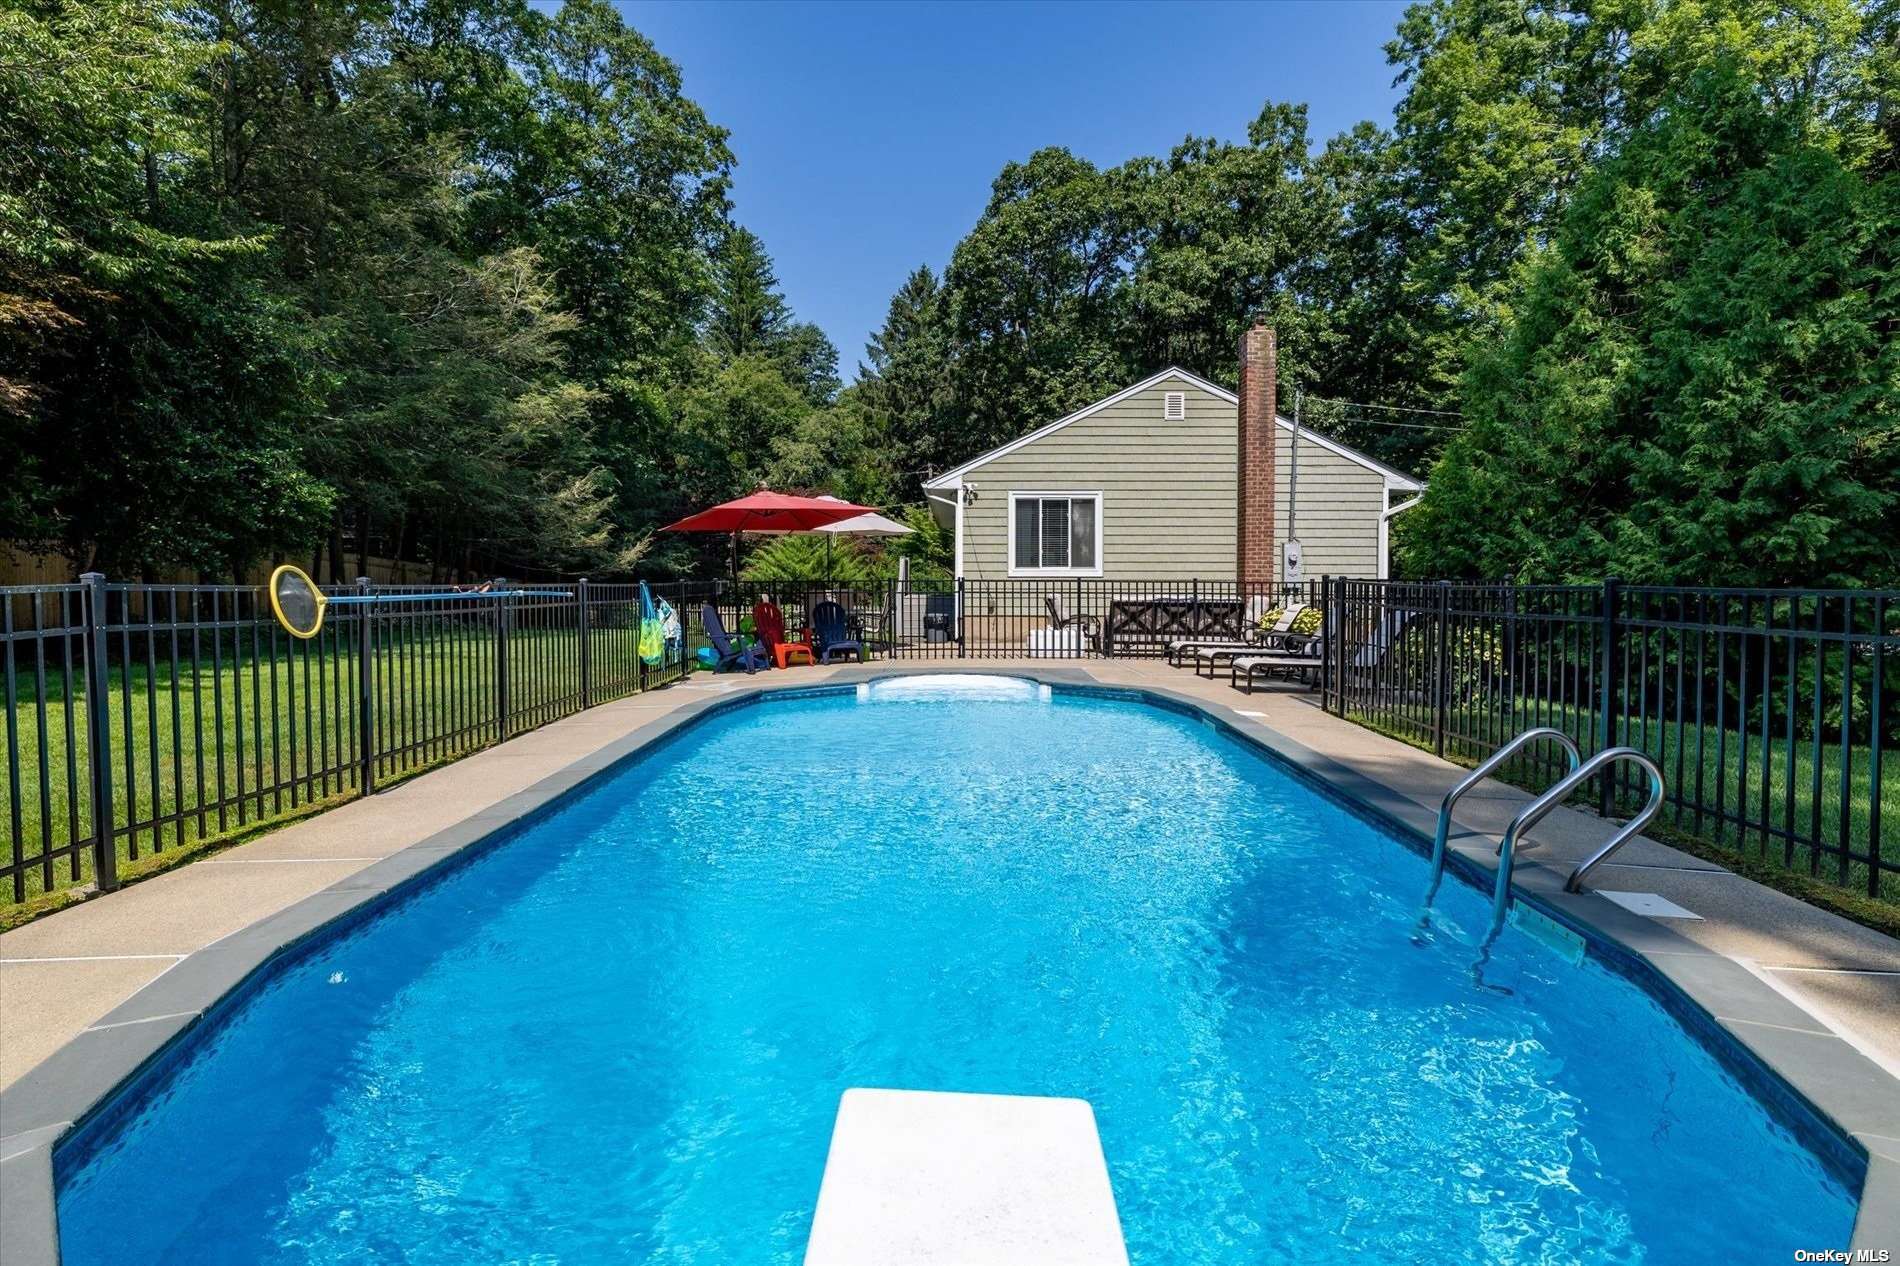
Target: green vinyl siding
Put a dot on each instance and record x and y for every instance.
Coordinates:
(1168, 492)
(1338, 509)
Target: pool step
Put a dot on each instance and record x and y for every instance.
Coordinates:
(922, 1176)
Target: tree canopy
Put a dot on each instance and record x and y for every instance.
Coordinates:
(1698, 377)
(461, 280)
(1632, 264)
(456, 276)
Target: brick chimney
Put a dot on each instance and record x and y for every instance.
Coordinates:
(1254, 563)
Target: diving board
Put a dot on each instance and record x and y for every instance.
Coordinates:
(920, 1177)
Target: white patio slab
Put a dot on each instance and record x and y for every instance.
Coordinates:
(930, 1178)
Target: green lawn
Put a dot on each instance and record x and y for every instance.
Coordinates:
(1756, 783)
(211, 752)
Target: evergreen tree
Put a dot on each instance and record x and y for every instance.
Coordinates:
(1700, 382)
(749, 316)
(905, 387)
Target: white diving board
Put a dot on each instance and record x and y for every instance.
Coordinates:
(929, 1178)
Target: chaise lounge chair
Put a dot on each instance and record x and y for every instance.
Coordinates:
(751, 658)
(1256, 608)
(1307, 658)
(831, 632)
(1266, 641)
(1300, 661)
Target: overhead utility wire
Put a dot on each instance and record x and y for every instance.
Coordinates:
(1293, 478)
(1408, 426)
(1391, 408)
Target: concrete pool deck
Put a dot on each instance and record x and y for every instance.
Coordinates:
(90, 992)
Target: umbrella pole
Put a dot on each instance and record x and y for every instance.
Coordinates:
(828, 559)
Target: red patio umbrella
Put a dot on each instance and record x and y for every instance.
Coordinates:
(767, 511)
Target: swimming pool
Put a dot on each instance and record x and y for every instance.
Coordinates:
(622, 1034)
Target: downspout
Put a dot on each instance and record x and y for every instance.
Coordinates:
(958, 564)
(1293, 484)
(956, 610)
(1385, 533)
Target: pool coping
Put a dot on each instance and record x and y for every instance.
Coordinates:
(78, 1093)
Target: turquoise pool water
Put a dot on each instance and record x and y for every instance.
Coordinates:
(621, 1036)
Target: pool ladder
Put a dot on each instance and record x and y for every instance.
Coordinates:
(1581, 771)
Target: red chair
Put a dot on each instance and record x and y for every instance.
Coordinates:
(769, 622)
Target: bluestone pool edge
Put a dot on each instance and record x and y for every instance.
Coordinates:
(50, 1113)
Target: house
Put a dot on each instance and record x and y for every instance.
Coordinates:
(1171, 479)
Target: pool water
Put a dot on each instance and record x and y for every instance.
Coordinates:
(621, 1036)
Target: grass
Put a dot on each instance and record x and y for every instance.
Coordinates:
(1744, 778)
(211, 752)
(266, 734)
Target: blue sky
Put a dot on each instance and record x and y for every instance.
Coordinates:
(867, 134)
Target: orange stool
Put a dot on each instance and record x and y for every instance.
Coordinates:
(788, 652)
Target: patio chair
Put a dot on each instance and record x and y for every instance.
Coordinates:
(770, 622)
(831, 632)
(1211, 652)
(750, 658)
(1059, 618)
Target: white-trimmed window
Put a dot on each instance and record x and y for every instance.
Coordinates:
(1055, 533)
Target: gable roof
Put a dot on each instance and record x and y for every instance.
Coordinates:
(1394, 479)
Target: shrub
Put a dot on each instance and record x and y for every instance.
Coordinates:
(1305, 624)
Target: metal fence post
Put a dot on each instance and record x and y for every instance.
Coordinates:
(503, 609)
(1876, 719)
(1510, 653)
(892, 617)
(365, 692)
(99, 740)
(962, 648)
(1342, 673)
(1606, 693)
(1081, 643)
(1328, 638)
(587, 658)
(1441, 690)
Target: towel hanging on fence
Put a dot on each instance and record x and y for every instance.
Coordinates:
(652, 634)
(669, 626)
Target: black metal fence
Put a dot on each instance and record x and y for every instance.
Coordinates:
(178, 713)
(182, 713)
(1011, 619)
(1773, 714)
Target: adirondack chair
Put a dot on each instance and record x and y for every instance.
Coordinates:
(831, 632)
(770, 622)
(749, 658)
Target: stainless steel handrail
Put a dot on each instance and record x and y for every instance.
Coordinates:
(1630, 828)
(1477, 776)
(1534, 812)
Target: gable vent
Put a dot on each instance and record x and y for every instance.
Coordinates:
(1174, 407)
